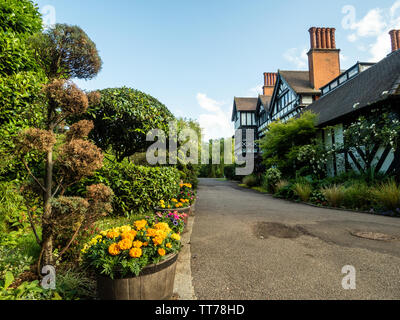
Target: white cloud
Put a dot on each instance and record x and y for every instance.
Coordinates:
(376, 24)
(256, 90)
(217, 122)
(297, 57)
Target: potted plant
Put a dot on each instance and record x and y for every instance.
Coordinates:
(182, 203)
(134, 262)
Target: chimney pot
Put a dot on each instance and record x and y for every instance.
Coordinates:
(395, 39)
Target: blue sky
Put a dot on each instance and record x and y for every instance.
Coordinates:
(195, 56)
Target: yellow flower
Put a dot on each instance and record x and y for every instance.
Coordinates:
(138, 244)
(158, 241)
(135, 252)
(140, 224)
(125, 244)
(129, 235)
(112, 234)
(114, 249)
(151, 232)
(168, 245)
(161, 252)
(174, 200)
(125, 229)
(176, 237)
(163, 206)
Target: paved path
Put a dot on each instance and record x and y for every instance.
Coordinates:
(236, 254)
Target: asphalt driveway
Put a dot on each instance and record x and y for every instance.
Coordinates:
(247, 245)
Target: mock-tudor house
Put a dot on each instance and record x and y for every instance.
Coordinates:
(337, 96)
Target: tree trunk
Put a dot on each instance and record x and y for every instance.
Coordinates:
(47, 245)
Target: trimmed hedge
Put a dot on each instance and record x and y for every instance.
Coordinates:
(137, 189)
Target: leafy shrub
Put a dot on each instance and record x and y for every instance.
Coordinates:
(250, 181)
(303, 190)
(271, 178)
(12, 206)
(137, 189)
(334, 195)
(230, 172)
(280, 185)
(282, 142)
(387, 195)
(75, 284)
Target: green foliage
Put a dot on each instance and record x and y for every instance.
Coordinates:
(20, 78)
(250, 181)
(75, 284)
(123, 118)
(137, 189)
(20, 16)
(335, 195)
(271, 178)
(12, 207)
(283, 140)
(387, 195)
(302, 190)
(358, 196)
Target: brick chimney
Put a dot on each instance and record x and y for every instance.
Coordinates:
(269, 83)
(323, 57)
(395, 37)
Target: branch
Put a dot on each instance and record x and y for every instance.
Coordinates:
(58, 187)
(69, 243)
(31, 174)
(33, 228)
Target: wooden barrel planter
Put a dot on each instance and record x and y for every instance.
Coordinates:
(155, 282)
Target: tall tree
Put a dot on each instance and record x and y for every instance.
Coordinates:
(64, 52)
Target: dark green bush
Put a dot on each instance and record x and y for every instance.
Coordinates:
(230, 173)
(137, 189)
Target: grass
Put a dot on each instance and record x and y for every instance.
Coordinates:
(335, 195)
(387, 194)
(303, 190)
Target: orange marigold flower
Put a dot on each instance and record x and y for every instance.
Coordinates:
(151, 232)
(138, 244)
(140, 224)
(129, 235)
(135, 252)
(112, 234)
(114, 249)
(168, 245)
(145, 244)
(161, 252)
(158, 241)
(125, 244)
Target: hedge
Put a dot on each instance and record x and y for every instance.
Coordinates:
(137, 189)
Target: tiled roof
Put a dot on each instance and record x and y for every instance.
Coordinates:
(246, 104)
(375, 84)
(265, 100)
(299, 81)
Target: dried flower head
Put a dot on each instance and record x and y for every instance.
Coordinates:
(94, 98)
(80, 158)
(80, 130)
(36, 139)
(99, 193)
(67, 96)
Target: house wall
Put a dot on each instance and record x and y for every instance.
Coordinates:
(339, 163)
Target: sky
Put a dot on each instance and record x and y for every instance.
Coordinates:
(196, 56)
